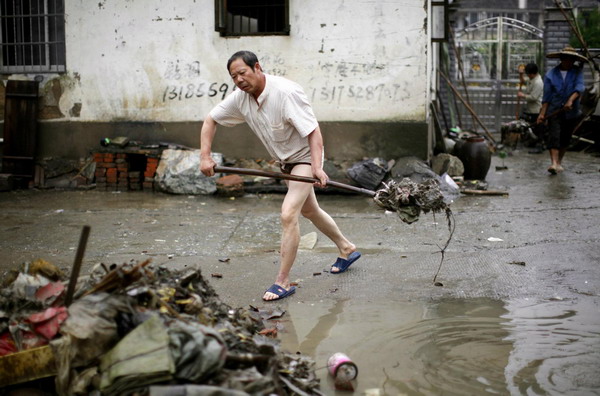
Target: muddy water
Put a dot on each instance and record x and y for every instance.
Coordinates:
(454, 347)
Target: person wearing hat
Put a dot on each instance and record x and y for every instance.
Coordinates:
(534, 89)
(563, 86)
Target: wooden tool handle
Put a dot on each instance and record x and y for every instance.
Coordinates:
(276, 175)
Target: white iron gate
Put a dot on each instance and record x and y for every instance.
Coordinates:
(491, 51)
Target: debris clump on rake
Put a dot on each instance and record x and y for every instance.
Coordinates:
(408, 199)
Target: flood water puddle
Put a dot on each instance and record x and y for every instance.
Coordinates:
(453, 347)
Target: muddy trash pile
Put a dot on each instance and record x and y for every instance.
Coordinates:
(139, 329)
(409, 199)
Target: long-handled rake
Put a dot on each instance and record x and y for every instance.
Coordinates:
(406, 198)
(285, 176)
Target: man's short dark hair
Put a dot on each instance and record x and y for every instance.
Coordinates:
(248, 57)
(531, 68)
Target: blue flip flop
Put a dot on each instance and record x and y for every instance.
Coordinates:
(280, 291)
(343, 264)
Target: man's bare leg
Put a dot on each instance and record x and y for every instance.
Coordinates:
(290, 239)
(323, 221)
(554, 158)
(561, 154)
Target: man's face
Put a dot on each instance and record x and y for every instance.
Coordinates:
(246, 78)
(566, 62)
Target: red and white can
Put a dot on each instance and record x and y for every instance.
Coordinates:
(342, 367)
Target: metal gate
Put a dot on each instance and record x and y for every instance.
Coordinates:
(491, 51)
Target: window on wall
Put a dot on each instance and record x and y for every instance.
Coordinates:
(252, 17)
(32, 36)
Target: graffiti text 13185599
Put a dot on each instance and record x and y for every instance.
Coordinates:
(196, 90)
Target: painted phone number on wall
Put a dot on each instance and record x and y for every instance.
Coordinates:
(199, 90)
(358, 93)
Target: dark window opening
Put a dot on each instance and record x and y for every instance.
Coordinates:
(32, 36)
(252, 17)
(137, 163)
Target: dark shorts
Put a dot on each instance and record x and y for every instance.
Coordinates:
(287, 168)
(560, 131)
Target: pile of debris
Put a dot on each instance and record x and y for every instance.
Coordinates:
(139, 329)
(408, 199)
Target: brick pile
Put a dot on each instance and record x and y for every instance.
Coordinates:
(150, 172)
(122, 172)
(135, 180)
(106, 169)
(114, 173)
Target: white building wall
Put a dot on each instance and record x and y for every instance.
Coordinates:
(156, 60)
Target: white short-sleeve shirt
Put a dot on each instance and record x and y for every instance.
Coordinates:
(282, 118)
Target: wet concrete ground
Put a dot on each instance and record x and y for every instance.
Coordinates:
(497, 296)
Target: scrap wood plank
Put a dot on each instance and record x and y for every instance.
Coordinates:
(484, 192)
(28, 365)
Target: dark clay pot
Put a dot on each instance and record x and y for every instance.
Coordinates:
(476, 158)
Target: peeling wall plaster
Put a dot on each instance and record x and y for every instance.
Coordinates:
(162, 61)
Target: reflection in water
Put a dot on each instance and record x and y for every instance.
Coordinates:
(458, 348)
(556, 348)
(322, 329)
(451, 347)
